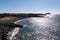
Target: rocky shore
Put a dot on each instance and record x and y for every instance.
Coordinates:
(4, 21)
(7, 18)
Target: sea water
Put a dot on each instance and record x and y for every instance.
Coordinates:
(40, 28)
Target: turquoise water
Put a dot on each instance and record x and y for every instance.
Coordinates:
(36, 28)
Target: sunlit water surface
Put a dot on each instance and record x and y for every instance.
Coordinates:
(36, 28)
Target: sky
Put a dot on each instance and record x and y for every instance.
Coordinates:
(29, 6)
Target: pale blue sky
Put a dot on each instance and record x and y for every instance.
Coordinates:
(19, 6)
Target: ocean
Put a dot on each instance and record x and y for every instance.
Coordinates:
(40, 28)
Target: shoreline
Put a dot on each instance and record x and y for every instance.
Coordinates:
(7, 20)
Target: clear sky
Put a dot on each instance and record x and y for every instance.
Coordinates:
(30, 6)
